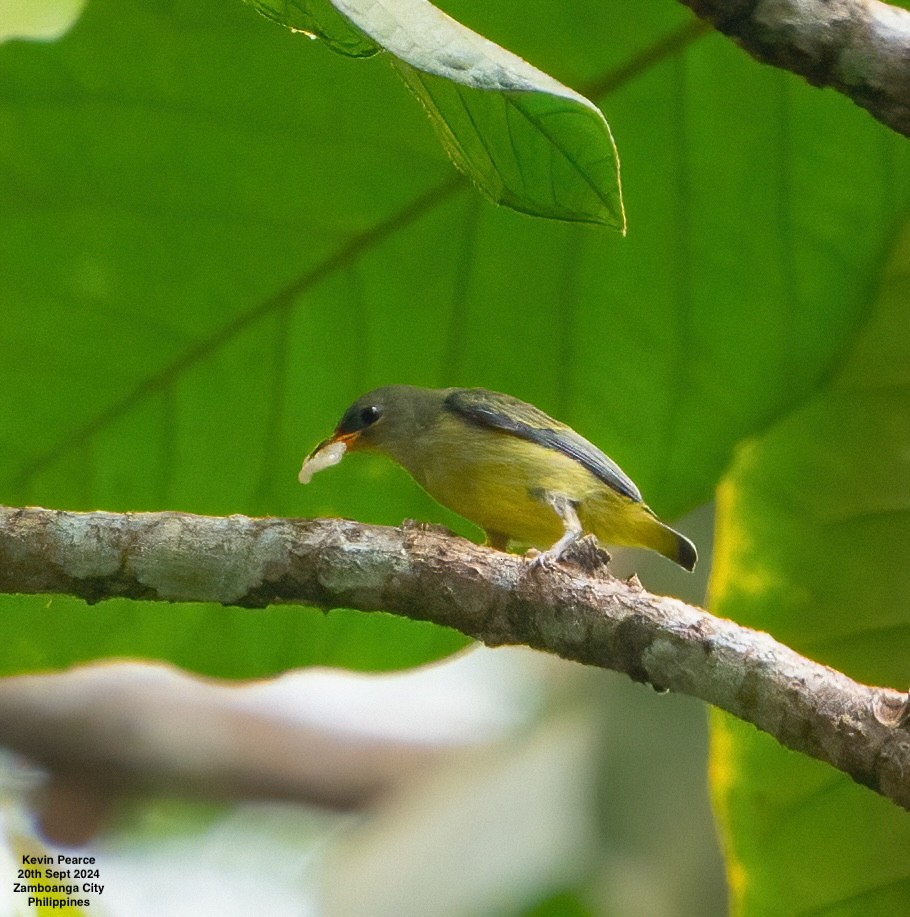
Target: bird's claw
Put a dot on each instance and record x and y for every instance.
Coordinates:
(540, 560)
(584, 552)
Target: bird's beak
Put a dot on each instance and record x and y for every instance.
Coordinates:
(349, 440)
(329, 452)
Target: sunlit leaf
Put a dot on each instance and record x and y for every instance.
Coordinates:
(813, 523)
(43, 20)
(522, 137)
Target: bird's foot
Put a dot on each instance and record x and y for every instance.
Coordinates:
(539, 560)
(585, 552)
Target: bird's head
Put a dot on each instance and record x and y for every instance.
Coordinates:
(387, 420)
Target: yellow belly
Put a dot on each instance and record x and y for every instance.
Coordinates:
(500, 482)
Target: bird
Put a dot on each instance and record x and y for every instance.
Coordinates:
(505, 465)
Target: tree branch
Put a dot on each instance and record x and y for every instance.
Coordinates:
(859, 47)
(428, 574)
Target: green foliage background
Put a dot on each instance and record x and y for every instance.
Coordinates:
(215, 234)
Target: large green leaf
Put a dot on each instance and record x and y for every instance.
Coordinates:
(525, 139)
(813, 524)
(210, 244)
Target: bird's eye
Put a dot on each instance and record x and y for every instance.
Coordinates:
(369, 415)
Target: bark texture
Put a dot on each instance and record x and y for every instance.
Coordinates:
(576, 610)
(858, 47)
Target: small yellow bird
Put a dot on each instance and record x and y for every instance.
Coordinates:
(505, 465)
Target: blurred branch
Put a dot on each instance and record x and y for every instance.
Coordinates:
(578, 612)
(77, 722)
(859, 47)
(117, 729)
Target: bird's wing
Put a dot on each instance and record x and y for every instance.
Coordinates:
(503, 412)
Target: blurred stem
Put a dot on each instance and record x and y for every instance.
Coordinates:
(576, 610)
(105, 731)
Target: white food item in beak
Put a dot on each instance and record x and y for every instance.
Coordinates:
(325, 457)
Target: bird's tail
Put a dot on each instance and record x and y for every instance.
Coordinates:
(673, 545)
(626, 522)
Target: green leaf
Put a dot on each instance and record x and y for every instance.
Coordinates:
(48, 634)
(562, 903)
(210, 245)
(538, 152)
(813, 521)
(522, 137)
(318, 19)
